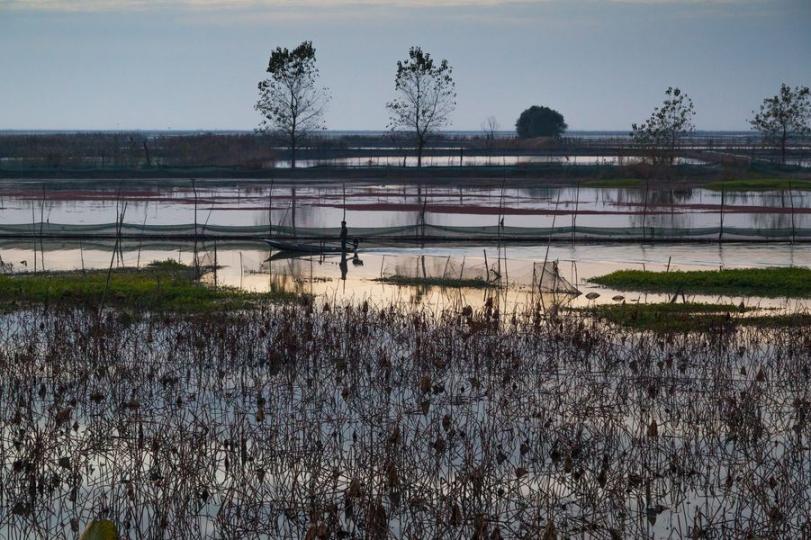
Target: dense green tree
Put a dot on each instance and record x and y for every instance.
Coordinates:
(290, 100)
(667, 125)
(785, 115)
(425, 96)
(540, 122)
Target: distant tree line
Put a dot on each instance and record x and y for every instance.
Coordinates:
(293, 104)
(781, 117)
(137, 150)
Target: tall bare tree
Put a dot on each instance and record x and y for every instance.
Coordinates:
(785, 115)
(425, 96)
(490, 127)
(668, 124)
(290, 101)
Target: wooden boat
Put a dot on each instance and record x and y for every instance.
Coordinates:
(294, 247)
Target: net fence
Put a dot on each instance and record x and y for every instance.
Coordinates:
(416, 233)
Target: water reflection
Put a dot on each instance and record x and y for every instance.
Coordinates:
(333, 278)
(371, 206)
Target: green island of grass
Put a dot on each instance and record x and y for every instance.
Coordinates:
(160, 286)
(690, 317)
(405, 281)
(760, 184)
(766, 282)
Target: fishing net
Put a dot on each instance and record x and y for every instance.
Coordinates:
(548, 278)
(412, 233)
(433, 270)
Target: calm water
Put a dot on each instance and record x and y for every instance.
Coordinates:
(455, 160)
(368, 205)
(250, 266)
(372, 205)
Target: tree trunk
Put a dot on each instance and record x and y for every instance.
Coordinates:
(293, 152)
(783, 147)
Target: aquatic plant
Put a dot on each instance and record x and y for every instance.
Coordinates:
(770, 282)
(316, 421)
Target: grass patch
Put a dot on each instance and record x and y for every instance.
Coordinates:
(778, 321)
(665, 317)
(405, 281)
(759, 184)
(768, 282)
(690, 317)
(161, 286)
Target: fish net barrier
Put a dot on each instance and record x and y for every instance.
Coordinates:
(405, 233)
(436, 269)
(473, 272)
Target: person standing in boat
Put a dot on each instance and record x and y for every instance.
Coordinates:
(344, 236)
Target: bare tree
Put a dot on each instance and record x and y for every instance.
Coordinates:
(666, 126)
(425, 96)
(784, 115)
(489, 127)
(290, 101)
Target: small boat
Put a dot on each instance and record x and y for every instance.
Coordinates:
(294, 247)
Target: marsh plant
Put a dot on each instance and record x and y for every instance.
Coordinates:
(303, 421)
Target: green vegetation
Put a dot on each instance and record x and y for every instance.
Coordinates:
(665, 317)
(760, 184)
(161, 286)
(769, 282)
(690, 317)
(405, 281)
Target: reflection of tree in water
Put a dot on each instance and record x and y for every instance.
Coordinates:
(662, 210)
(291, 209)
(542, 193)
(782, 201)
(286, 283)
(290, 275)
(778, 220)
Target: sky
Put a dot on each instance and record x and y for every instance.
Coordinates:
(195, 64)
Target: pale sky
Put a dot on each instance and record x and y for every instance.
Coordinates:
(194, 64)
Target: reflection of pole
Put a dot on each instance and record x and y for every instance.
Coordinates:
(576, 205)
(532, 289)
(270, 210)
(548, 244)
(422, 218)
(721, 232)
(293, 211)
(196, 261)
(791, 198)
(342, 265)
(645, 209)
